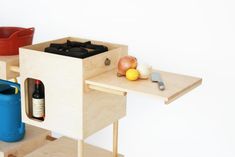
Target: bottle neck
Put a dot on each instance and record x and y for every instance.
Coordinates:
(37, 87)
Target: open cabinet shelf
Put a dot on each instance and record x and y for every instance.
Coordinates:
(176, 85)
(6, 64)
(66, 147)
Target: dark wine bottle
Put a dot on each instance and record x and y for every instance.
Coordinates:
(38, 101)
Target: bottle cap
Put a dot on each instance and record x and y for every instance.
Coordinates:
(37, 81)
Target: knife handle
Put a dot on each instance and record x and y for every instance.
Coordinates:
(161, 86)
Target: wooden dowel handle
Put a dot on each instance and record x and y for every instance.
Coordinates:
(50, 138)
(15, 69)
(107, 90)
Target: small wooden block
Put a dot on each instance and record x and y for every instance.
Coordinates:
(34, 138)
(66, 147)
(5, 63)
(176, 84)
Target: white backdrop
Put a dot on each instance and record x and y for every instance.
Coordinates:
(194, 37)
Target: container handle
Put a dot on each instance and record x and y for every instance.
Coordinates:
(11, 83)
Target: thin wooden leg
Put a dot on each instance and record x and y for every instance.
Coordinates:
(16, 89)
(15, 80)
(80, 148)
(115, 139)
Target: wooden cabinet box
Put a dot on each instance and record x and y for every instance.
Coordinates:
(70, 109)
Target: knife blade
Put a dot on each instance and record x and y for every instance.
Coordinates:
(156, 77)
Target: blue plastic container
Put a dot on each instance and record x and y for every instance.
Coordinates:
(11, 127)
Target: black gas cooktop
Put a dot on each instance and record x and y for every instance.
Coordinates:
(76, 49)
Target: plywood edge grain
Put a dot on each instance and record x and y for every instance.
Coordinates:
(116, 89)
(107, 90)
(183, 92)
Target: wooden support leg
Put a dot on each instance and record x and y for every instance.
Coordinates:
(80, 148)
(115, 139)
(15, 80)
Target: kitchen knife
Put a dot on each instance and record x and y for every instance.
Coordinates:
(156, 77)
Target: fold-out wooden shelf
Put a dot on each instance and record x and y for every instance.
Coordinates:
(176, 85)
(6, 63)
(34, 138)
(66, 147)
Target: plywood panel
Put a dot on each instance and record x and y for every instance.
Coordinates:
(62, 78)
(95, 65)
(66, 147)
(101, 110)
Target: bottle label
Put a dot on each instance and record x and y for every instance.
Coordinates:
(38, 108)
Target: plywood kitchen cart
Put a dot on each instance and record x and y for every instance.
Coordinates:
(83, 96)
